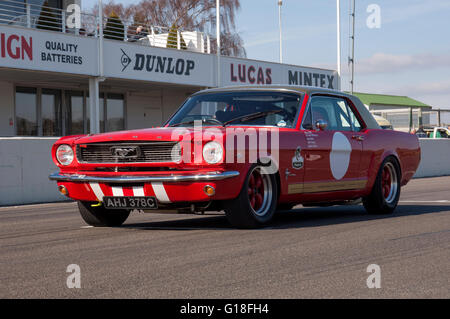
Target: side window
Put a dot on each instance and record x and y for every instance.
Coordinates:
(307, 120)
(349, 121)
(336, 112)
(323, 109)
(355, 122)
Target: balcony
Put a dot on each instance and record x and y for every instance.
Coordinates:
(15, 13)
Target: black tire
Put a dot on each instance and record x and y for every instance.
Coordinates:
(102, 217)
(384, 198)
(240, 212)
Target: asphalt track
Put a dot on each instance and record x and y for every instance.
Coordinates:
(308, 252)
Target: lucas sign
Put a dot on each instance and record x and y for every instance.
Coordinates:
(250, 72)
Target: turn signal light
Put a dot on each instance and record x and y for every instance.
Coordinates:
(63, 190)
(209, 190)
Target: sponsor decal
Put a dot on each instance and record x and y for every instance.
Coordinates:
(250, 74)
(158, 64)
(311, 79)
(297, 160)
(16, 47)
(61, 52)
(311, 139)
(125, 60)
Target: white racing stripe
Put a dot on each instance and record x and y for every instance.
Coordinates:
(425, 201)
(160, 192)
(117, 191)
(138, 191)
(97, 191)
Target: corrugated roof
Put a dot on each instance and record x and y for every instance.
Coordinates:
(384, 99)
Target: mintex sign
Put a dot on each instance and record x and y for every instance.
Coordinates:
(248, 72)
(47, 51)
(134, 61)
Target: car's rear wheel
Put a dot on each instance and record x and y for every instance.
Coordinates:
(385, 193)
(100, 216)
(257, 201)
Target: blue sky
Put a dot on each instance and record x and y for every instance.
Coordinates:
(408, 55)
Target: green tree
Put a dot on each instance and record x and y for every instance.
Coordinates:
(172, 39)
(47, 19)
(114, 28)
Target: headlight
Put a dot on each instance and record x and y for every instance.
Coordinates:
(212, 152)
(64, 154)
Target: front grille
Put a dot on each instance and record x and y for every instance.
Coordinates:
(129, 152)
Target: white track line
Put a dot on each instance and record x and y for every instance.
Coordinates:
(425, 201)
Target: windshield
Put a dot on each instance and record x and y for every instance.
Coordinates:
(239, 108)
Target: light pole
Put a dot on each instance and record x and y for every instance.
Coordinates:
(338, 21)
(218, 41)
(352, 60)
(280, 3)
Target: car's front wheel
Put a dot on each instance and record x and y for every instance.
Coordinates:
(385, 193)
(99, 216)
(257, 201)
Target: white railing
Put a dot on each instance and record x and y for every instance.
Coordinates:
(28, 15)
(409, 119)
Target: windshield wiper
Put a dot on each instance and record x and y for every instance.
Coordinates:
(251, 116)
(204, 120)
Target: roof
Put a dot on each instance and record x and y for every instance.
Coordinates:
(363, 111)
(383, 99)
(270, 87)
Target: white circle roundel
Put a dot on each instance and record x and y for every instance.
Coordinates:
(341, 150)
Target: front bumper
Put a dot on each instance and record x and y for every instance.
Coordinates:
(167, 188)
(209, 176)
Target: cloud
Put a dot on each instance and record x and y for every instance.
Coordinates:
(413, 10)
(429, 88)
(289, 34)
(388, 63)
(385, 63)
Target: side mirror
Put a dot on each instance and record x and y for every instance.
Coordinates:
(321, 125)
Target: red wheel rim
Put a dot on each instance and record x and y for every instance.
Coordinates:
(389, 183)
(386, 181)
(256, 190)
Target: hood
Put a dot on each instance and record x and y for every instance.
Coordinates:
(149, 134)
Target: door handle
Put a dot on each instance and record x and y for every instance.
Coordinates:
(358, 137)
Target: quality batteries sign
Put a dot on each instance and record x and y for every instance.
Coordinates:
(147, 63)
(47, 51)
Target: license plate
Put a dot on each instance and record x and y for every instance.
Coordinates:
(130, 202)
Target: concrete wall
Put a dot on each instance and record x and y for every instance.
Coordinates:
(153, 108)
(6, 109)
(143, 110)
(435, 157)
(25, 164)
(172, 100)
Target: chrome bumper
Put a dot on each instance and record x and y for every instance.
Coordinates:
(210, 176)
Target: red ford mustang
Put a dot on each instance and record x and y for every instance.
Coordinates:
(245, 150)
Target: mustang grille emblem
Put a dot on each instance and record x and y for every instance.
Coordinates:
(126, 152)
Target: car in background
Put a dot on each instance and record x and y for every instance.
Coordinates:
(310, 146)
(437, 132)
